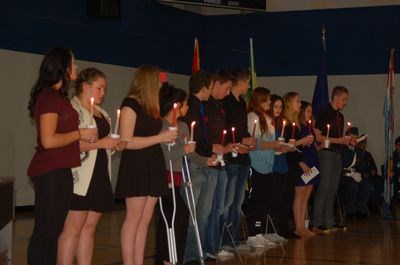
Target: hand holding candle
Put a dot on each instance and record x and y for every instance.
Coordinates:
(254, 128)
(283, 128)
(223, 137)
(117, 122)
(233, 135)
(192, 130)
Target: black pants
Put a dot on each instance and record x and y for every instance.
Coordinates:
(260, 203)
(181, 225)
(283, 206)
(53, 192)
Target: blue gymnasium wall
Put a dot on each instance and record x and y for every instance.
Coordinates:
(285, 43)
(147, 33)
(288, 43)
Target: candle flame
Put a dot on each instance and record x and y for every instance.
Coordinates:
(233, 129)
(193, 123)
(175, 105)
(255, 121)
(284, 122)
(348, 123)
(224, 132)
(309, 121)
(118, 112)
(294, 124)
(91, 100)
(328, 126)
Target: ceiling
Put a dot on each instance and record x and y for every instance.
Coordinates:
(289, 5)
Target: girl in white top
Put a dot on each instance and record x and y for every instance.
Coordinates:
(92, 187)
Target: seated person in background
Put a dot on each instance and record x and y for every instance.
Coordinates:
(359, 168)
(396, 176)
(376, 200)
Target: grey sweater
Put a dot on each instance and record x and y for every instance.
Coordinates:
(177, 150)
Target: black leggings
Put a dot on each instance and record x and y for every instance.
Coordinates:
(260, 202)
(53, 192)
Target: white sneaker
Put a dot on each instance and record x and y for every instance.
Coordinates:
(264, 241)
(274, 237)
(224, 253)
(244, 248)
(211, 256)
(240, 248)
(254, 242)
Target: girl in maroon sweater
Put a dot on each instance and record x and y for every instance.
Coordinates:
(56, 153)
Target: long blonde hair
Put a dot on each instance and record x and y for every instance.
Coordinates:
(145, 88)
(289, 112)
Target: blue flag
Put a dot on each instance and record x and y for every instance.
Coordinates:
(321, 98)
(388, 113)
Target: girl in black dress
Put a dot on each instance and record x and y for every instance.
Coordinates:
(141, 176)
(297, 161)
(92, 187)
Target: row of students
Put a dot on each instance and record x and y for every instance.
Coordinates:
(276, 168)
(215, 104)
(71, 167)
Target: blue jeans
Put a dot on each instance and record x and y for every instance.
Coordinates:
(203, 190)
(218, 179)
(331, 170)
(237, 176)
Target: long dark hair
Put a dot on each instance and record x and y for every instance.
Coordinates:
(304, 106)
(55, 67)
(277, 120)
(170, 95)
(259, 96)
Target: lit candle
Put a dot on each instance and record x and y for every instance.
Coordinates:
(117, 121)
(91, 111)
(192, 130)
(233, 135)
(327, 131)
(309, 127)
(293, 127)
(223, 137)
(283, 128)
(174, 115)
(254, 128)
(348, 128)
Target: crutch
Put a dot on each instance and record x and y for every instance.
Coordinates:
(187, 182)
(173, 258)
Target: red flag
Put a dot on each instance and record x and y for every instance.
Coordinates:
(196, 57)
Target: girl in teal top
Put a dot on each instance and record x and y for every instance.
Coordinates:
(262, 160)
